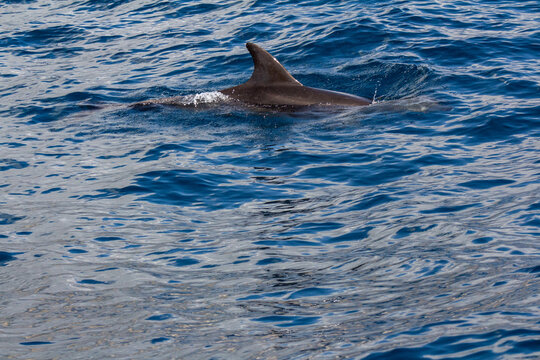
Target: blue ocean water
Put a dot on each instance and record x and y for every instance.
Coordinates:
(408, 229)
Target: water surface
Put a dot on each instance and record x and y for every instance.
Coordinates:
(402, 230)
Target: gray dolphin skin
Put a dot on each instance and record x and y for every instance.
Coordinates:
(270, 84)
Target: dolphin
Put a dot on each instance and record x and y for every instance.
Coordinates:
(271, 85)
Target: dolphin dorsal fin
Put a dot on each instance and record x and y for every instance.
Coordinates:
(267, 70)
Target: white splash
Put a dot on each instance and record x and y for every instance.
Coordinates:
(374, 101)
(205, 98)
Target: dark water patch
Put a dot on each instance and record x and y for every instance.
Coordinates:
(8, 164)
(498, 127)
(486, 184)
(260, 296)
(412, 130)
(354, 235)
(209, 266)
(58, 53)
(290, 160)
(482, 240)
(371, 200)
(439, 159)
(449, 209)
(156, 7)
(132, 246)
(162, 150)
(19, 1)
(77, 97)
(432, 270)
(428, 327)
(531, 270)
(190, 188)
(314, 291)
(312, 228)
(168, 49)
(535, 206)
(36, 343)
(129, 153)
(107, 238)
(27, 192)
(94, 282)
(77, 251)
(269, 261)
(289, 242)
(12, 145)
(525, 347)
(533, 222)
(49, 35)
(196, 251)
(160, 317)
(451, 51)
(477, 346)
(8, 76)
(186, 261)
(41, 114)
(51, 190)
(231, 148)
(5, 257)
(408, 230)
(103, 39)
(240, 262)
(185, 10)
(379, 173)
(7, 219)
(288, 321)
(101, 5)
(75, 141)
(106, 269)
(159, 340)
(56, 155)
(166, 252)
